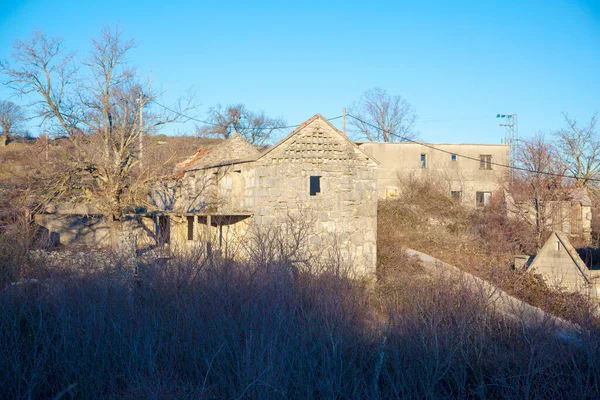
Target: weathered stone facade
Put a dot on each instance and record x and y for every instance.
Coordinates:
(81, 225)
(561, 267)
(315, 183)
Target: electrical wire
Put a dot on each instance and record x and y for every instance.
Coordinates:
(240, 127)
(522, 169)
(473, 158)
(454, 120)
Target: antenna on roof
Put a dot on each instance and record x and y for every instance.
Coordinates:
(511, 135)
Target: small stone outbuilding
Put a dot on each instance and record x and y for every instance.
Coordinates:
(561, 267)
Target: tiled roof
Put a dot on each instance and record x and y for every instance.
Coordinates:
(182, 166)
(234, 149)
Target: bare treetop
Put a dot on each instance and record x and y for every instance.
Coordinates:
(579, 147)
(381, 117)
(538, 184)
(102, 108)
(11, 115)
(42, 68)
(256, 127)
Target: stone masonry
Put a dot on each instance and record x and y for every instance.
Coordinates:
(315, 178)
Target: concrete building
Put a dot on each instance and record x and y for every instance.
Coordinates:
(561, 267)
(316, 187)
(471, 173)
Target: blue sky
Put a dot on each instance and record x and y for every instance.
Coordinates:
(458, 63)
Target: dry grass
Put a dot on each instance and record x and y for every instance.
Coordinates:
(191, 329)
(482, 242)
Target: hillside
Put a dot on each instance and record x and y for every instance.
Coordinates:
(95, 324)
(482, 242)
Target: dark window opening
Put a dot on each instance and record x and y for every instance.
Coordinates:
(485, 161)
(163, 230)
(483, 198)
(423, 160)
(190, 227)
(315, 185)
(456, 195)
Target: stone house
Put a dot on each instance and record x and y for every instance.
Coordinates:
(316, 187)
(470, 173)
(561, 267)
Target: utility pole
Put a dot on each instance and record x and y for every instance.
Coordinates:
(511, 137)
(344, 121)
(46, 134)
(141, 128)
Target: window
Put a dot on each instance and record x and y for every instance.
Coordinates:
(485, 161)
(423, 160)
(190, 227)
(163, 230)
(315, 185)
(453, 157)
(456, 195)
(483, 198)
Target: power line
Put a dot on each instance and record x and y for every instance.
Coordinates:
(239, 127)
(183, 115)
(400, 136)
(453, 120)
(473, 158)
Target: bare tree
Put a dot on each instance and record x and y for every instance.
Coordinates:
(11, 116)
(381, 117)
(537, 187)
(98, 105)
(580, 150)
(256, 127)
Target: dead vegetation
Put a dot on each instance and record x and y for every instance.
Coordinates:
(206, 328)
(190, 327)
(482, 242)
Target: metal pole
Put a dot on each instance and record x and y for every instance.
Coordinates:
(344, 120)
(208, 236)
(141, 129)
(46, 134)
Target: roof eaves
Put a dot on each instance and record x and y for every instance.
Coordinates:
(222, 163)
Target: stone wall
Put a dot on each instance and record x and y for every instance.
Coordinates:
(561, 267)
(93, 231)
(342, 217)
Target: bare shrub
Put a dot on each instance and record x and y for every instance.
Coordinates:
(482, 242)
(185, 328)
